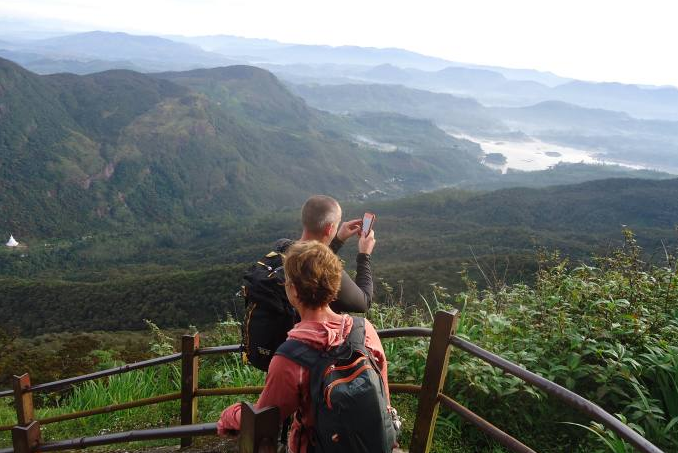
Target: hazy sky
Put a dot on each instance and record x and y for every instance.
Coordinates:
(603, 40)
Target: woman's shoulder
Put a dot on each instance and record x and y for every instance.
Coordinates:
(369, 326)
(371, 336)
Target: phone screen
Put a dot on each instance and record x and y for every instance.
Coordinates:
(367, 224)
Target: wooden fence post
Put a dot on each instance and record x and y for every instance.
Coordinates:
(258, 429)
(189, 383)
(26, 435)
(25, 439)
(23, 400)
(444, 326)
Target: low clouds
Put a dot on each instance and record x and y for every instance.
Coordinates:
(600, 40)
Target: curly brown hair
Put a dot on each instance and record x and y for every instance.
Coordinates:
(315, 272)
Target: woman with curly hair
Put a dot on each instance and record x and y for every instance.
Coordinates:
(313, 276)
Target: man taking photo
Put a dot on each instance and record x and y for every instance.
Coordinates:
(269, 314)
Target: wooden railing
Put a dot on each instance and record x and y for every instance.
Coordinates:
(259, 428)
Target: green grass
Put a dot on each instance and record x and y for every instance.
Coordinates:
(104, 392)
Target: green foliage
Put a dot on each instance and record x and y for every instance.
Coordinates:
(176, 275)
(606, 332)
(171, 300)
(52, 357)
(161, 344)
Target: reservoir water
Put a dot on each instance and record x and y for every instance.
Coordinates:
(530, 155)
(535, 154)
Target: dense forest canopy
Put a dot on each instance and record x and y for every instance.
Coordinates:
(190, 275)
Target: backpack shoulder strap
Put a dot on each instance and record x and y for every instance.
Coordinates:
(299, 352)
(308, 357)
(356, 337)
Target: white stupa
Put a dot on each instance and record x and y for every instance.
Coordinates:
(12, 242)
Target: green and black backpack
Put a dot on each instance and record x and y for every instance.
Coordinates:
(348, 396)
(269, 314)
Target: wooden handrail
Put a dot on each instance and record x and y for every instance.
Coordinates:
(204, 429)
(399, 332)
(488, 428)
(567, 396)
(25, 437)
(435, 372)
(64, 383)
(213, 350)
(189, 383)
(222, 391)
(170, 432)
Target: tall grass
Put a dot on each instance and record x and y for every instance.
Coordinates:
(117, 389)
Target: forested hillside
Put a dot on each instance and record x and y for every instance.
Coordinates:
(81, 153)
(192, 277)
(450, 112)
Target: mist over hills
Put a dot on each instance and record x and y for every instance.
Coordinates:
(93, 51)
(42, 64)
(486, 85)
(275, 52)
(448, 111)
(120, 147)
(612, 136)
(124, 148)
(492, 88)
(149, 53)
(653, 103)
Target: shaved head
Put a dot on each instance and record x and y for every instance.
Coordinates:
(318, 212)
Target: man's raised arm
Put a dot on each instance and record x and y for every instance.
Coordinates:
(356, 296)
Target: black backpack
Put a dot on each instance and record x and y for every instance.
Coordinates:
(347, 396)
(269, 315)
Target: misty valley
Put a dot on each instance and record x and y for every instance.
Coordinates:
(141, 176)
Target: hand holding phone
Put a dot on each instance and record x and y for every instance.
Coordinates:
(366, 241)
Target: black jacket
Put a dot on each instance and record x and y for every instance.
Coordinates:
(354, 296)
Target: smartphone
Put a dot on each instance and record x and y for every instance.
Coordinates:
(368, 223)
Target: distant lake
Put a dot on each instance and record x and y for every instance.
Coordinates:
(535, 154)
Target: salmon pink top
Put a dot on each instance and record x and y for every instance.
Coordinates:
(287, 383)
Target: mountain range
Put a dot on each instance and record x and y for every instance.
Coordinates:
(119, 147)
(81, 153)
(495, 86)
(453, 113)
(611, 136)
(84, 53)
(275, 52)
